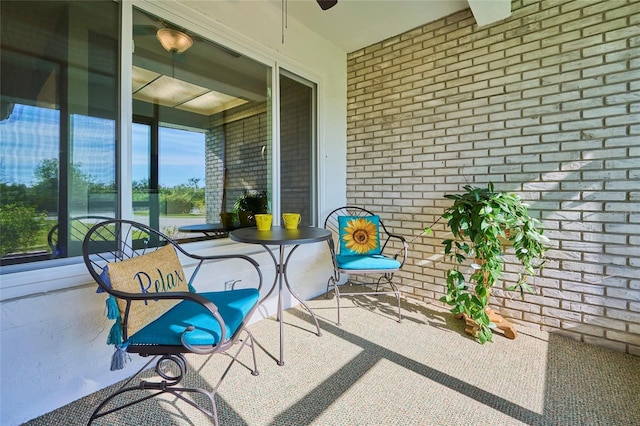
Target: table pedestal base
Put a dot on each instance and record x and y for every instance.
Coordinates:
(282, 281)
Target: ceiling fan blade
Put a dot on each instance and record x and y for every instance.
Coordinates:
(327, 4)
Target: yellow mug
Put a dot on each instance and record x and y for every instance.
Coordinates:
(263, 221)
(291, 220)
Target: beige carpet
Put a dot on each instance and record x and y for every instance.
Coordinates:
(375, 371)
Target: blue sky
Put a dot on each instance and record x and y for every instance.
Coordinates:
(30, 135)
(181, 155)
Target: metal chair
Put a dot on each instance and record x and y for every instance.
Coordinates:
(78, 227)
(158, 313)
(364, 248)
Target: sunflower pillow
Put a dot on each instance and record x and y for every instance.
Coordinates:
(359, 235)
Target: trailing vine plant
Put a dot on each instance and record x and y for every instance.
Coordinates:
(483, 221)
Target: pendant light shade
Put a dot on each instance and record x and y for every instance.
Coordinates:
(174, 40)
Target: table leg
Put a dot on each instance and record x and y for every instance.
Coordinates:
(286, 280)
(275, 280)
(280, 273)
(280, 279)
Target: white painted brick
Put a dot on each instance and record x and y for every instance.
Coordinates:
(606, 303)
(576, 164)
(608, 344)
(619, 88)
(604, 238)
(597, 8)
(585, 329)
(623, 272)
(560, 137)
(626, 76)
(584, 83)
(562, 314)
(625, 294)
(607, 175)
(630, 338)
(622, 119)
(623, 315)
(605, 111)
(561, 118)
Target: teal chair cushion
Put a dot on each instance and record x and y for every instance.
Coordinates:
(359, 235)
(368, 262)
(232, 305)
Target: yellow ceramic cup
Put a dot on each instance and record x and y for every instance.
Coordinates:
(291, 220)
(263, 221)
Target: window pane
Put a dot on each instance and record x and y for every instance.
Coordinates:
(181, 173)
(171, 193)
(57, 124)
(297, 166)
(141, 171)
(209, 141)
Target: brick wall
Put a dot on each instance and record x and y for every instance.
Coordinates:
(239, 139)
(545, 104)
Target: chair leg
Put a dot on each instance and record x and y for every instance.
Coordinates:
(396, 292)
(336, 290)
(399, 311)
(167, 385)
(331, 282)
(249, 341)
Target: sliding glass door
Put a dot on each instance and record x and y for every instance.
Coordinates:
(297, 147)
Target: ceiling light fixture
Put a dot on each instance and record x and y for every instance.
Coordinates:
(174, 40)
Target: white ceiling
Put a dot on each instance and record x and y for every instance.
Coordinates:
(354, 24)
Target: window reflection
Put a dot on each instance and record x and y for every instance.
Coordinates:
(205, 112)
(58, 111)
(202, 136)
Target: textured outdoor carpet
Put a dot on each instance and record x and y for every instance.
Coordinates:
(373, 370)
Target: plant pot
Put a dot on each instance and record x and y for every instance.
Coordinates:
(246, 218)
(472, 327)
(227, 219)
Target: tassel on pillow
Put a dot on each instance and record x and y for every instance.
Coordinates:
(104, 276)
(115, 334)
(112, 308)
(119, 357)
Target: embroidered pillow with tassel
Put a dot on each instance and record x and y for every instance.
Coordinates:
(159, 271)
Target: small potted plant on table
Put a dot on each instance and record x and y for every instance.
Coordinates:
(483, 221)
(250, 204)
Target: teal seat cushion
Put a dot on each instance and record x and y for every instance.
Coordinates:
(232, 305)
(366, 262)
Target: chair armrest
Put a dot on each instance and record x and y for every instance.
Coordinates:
(177, 295)
(202, 259)
(404, 251)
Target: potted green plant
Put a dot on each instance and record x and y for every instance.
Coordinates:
(250, 204)
(483, 221)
